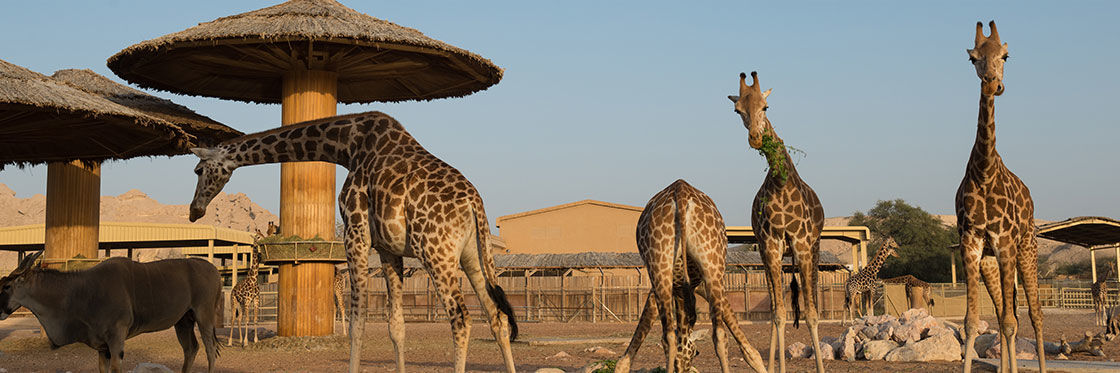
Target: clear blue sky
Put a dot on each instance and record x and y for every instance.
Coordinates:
(614, 100)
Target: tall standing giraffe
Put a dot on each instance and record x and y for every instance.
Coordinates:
(787, 217)
(864, 281)
(1100, 295)
(399, 200)
(995, 217)
(681, 228)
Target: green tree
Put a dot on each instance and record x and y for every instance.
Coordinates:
(924, 242)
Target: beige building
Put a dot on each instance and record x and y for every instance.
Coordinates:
(584, 226)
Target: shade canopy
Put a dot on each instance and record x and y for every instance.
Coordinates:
(46, 120)
(207, 132)
(1088, 231)
(244, 57)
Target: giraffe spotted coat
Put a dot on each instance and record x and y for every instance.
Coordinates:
(867, 278)
(399, 200)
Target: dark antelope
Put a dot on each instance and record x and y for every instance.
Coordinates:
(116, 300)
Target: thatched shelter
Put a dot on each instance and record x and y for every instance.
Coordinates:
(307, 55)
(241, 57)
(73, 124)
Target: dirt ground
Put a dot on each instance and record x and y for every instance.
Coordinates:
(429, 349)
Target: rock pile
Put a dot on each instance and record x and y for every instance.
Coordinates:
(915, 336)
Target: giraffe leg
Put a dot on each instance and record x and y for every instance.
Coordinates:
(256, 319)
(972, 246)
(661, 283)
(719, 336)
(499, 325)
(808, 268)
(1008, 320)
(645, 322)
(446, 282)
(232, 324)
(1028, 271)
(355, 217)
(771, 260)
(245, 324)
(989, 271)
(721, 313)
(392, 266)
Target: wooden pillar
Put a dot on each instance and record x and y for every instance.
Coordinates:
(855, 257)
(236, 258)
(1117, 263)
(953, 265)
(1093, 262)
(306, 306)
(73, 208)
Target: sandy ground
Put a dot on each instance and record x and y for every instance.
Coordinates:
(429, 349)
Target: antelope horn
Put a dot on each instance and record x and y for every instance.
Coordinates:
(995, 33)
(979, 33)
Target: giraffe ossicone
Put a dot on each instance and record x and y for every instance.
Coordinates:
(399, 200)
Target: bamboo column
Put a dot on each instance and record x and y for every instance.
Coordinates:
(73, 207)
(305, 304)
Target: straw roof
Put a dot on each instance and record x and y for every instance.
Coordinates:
(207, 131)
(1088, 231)
(46, 120)
(243, 57)
(735, 257)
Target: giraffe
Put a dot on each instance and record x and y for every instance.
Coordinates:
(787, 217)
(1100, 295)
(246, 297)
(995, 218)
(340, 276)
(865, 281)
(681, 228)
(912, 283)
(399, 200)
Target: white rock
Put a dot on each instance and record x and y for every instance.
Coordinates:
(797, 350)
(907, 333)
(549, 370)
(1024, 349)
(599, 350)
(700, 334)
(591, 368)
(151, 368)
(876, 350)
(942, 347)
(912, 314)
(559, 355)
(827, 352)
(869, 332)
(983, 343)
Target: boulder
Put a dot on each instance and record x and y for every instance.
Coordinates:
(700, 334)
(876, 350)
(876, 320)
(912, 314)
(938, 330)
(1024, 349)
(592, 367)
(827, 353)
(983, 343)
(848, 344)
(907, 333)
(868, 332)
(797, 350)
(549, 370)
(942, 347)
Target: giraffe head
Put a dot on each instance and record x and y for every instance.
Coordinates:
(214, 169)
(750, 104)
(988, 57)
(890, 246)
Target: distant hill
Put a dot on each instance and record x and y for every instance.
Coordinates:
(234, 211)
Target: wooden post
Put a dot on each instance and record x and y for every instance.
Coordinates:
(1093, 262)
(236, 254)
(210, 250)
(953, 265)
(73, 208)
(306, 307)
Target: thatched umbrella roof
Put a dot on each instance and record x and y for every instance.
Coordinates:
(243, 57)
(47, 120)
(207, 131)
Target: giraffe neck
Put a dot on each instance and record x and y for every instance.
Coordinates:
(778, 160)
(294, 143)
(876, 262)
(984, 158)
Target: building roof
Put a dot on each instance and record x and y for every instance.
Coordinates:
(1088, 231)
(114, 235)
(597, 260)
(568, 205)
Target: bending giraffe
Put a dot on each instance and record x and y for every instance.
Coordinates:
(911, 282)
(863, 283)
(399, 200)
(246, 296)
(682, 240)
(995, 217)
(1100, 295)
(787, 217)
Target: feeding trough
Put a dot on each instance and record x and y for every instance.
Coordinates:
(294, 249)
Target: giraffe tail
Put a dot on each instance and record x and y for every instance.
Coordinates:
(486, 259)
(687, 294)
(794, 291)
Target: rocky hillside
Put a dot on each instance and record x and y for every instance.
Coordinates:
(234, 211)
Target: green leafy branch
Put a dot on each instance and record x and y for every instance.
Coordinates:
(771, 149)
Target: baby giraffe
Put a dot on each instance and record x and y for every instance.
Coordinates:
(683, 241)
